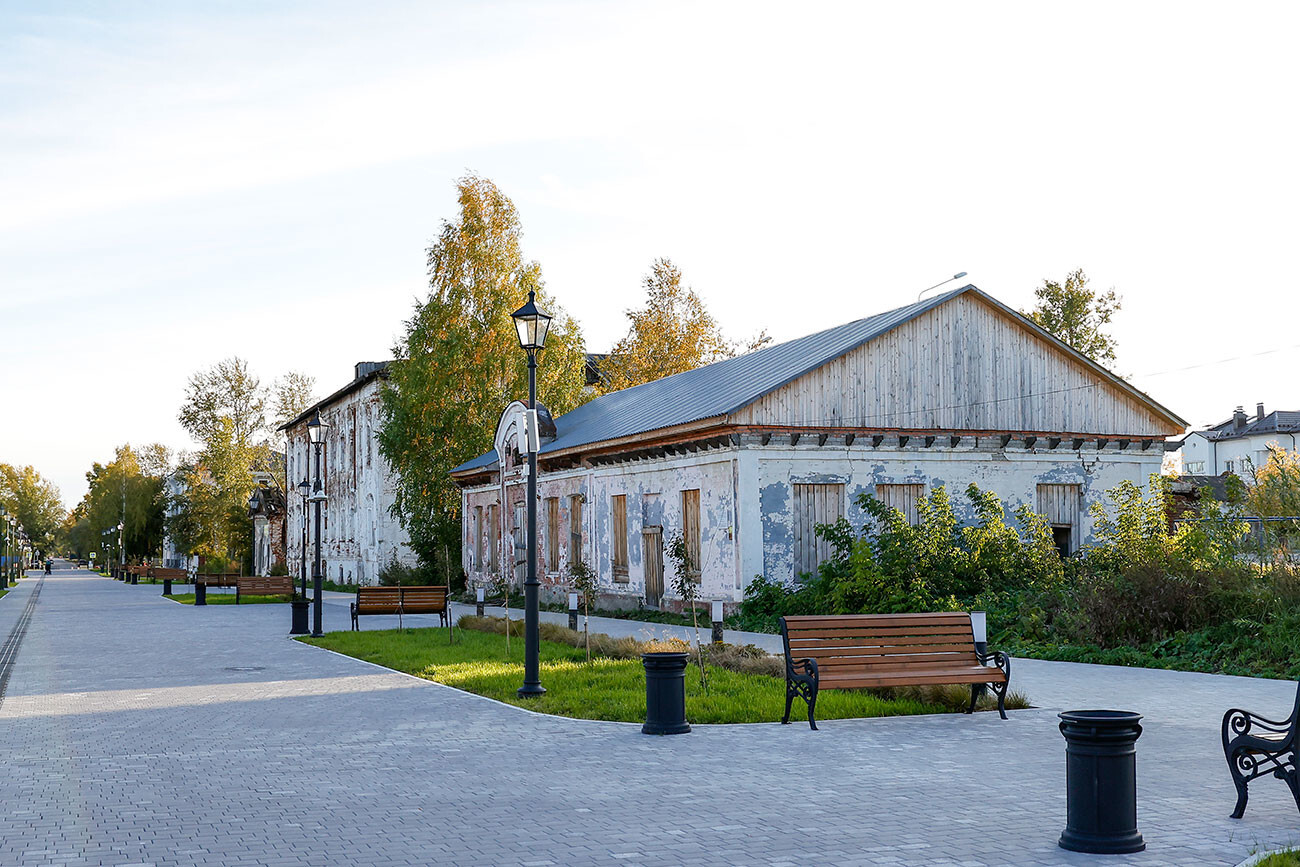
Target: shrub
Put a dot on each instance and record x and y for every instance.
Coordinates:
(398, 573)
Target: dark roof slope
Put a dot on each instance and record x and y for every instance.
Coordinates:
(715, 389)
(1277, 421)
(368, 370)
(725, 387)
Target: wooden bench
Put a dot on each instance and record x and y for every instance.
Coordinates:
(856, 651)
(400, 601)
(1255, 746)
(167, 576)
(263, 585)
(222, 579)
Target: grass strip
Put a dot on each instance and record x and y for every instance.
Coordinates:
(1289, 858)
(604, 689)
(227, 599)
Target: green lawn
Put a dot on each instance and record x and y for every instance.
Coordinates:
(606, 689)
(1289, 858)
(227, 599)
(2, 593)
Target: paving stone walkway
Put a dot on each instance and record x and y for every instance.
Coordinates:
(138, 731)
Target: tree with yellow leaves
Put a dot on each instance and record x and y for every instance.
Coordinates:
(672, 333)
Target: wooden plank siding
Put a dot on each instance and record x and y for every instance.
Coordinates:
(903, 498)
(963, 366)
(1062, 506)
(813, 505)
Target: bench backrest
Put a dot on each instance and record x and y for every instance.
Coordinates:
(424, 599)
(217, 579)
(378, 600)
(410, 600)
(881, 641)
(159, 572)
(264, 585)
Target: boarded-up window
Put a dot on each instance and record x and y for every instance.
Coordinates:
(575, 528)
(553, 534)
(478, 538)
(813, 505)
(903, 498)
(493, 534)
(1060, 505)
(618, 533)
(691, 531)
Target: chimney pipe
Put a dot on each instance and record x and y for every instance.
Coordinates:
(1238, 418)
(1259, 412)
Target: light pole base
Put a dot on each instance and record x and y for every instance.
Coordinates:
(530, 690)
(298, 621)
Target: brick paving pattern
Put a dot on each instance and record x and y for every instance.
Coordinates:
(138, 731)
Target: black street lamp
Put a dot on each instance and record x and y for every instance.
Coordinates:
(531, 324)
(121, 546)
(304, 489)
(4, 571)
(316, 432)
(298, 607)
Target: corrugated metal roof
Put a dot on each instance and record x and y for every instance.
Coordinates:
(725, 387)
(716, 389)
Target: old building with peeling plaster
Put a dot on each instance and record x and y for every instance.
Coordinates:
(745, 457)
(359, 535)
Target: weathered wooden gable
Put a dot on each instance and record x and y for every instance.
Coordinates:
(965, 365)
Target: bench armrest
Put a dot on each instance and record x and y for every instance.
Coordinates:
(1240, 722)
(996, 659)
(802, 669)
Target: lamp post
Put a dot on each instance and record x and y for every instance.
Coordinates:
(531, 324)
(4, 570)
(121, 546)
(304, 489)
(316, 433)
(298, 607)
(255, 503)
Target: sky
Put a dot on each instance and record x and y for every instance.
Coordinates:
(182, 182)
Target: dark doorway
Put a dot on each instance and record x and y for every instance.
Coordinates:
(1061, 537)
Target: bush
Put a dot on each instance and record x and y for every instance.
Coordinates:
(397, 573)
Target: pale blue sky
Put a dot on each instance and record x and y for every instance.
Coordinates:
(180, 182)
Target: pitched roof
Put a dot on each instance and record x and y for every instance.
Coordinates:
(366, 371)
(726, 386)
(1277, 421)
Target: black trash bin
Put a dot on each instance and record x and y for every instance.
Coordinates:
(1101, 781)
(665, 693)
(200, 593)
(298, 618)
(167, 586)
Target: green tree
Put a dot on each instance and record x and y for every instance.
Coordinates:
(225, 411)
(292, 394)
(672, 333)
(34, 501)
(459, 363)
(127, 490)
(1077, 315)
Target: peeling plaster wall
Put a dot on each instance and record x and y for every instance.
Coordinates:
(746, 503)
(1013, 474)
(359, 534)
(653, 491)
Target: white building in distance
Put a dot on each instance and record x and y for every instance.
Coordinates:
(359, 535)
(1240, 443)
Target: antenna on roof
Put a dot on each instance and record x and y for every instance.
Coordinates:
(957, 276)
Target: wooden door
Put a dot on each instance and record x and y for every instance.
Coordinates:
(652, 552)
